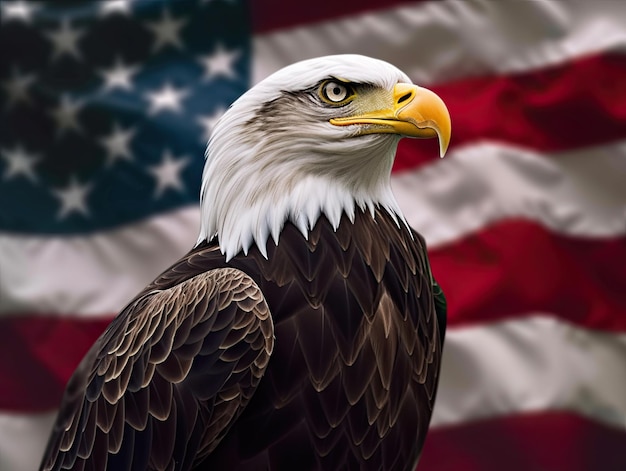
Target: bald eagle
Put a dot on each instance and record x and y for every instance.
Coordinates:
(304, 331)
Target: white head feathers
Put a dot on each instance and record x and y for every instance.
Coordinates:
(274, 157)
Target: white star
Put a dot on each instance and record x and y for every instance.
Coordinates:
(65, 115)
(167, 173)
(19, 162)
(115, 6)
(118, 76)
(19, 10)
(167, 31)
(117, 144)
(167, 98)
(208, 122)
(65, 41)
(221, 62)
(17, 87)
(73, 199)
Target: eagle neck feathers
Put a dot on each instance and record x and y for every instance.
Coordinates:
(251, 200)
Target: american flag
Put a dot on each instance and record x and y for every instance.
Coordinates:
(106, 108)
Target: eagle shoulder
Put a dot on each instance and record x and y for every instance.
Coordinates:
(168, 377)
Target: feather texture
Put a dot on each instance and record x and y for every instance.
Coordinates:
(164, 383)
(196, 374)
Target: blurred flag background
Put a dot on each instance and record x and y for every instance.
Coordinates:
(106, 107)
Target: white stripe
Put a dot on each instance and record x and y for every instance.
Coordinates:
(437, 41)
(577, 193)
(91, 275)
(532, 365)
(535, 364)
(23, 438)
(580, 193)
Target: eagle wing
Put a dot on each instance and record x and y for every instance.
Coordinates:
(164, 383)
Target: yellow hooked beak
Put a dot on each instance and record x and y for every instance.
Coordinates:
(415, 112)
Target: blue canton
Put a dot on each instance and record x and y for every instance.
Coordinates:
(106, 107)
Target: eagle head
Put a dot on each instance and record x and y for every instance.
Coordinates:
(316, 137)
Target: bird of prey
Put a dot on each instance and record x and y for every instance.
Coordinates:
(304, 330)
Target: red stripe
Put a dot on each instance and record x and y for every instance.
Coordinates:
(556, 441)
(518, 267)
(40, 355)
(566, 107)
(268, 15)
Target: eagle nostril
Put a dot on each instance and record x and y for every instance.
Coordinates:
(404, 97)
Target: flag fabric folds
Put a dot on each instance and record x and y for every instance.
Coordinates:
(106, 109)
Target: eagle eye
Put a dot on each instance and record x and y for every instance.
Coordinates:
(335, 93)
